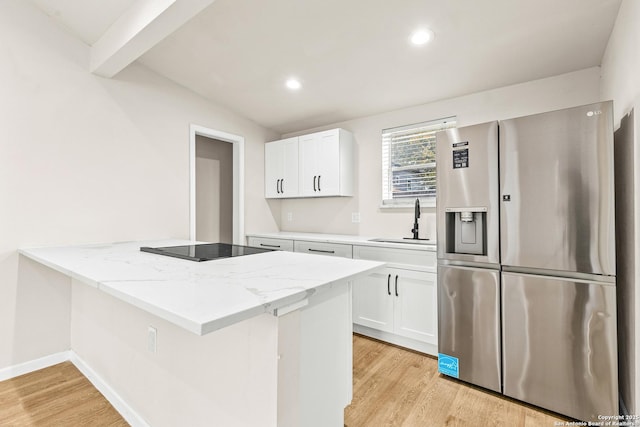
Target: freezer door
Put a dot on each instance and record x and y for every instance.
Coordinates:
(556, 191)
(560, 345)
(469, 325)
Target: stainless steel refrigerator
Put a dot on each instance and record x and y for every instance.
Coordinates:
(526, 259)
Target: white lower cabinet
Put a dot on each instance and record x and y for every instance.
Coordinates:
(397, 304)
(398, 301)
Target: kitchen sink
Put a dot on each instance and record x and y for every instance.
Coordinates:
(403, 240)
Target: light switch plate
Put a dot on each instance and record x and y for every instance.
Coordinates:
(355, 217)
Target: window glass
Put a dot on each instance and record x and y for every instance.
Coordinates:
(409, 162)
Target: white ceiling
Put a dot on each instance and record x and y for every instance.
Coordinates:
(85, 19)
(353, 56)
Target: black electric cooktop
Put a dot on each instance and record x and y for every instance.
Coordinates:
(205, 251)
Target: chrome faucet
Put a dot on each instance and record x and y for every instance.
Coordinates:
(416, 215)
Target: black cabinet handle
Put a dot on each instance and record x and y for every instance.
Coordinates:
(397, 285)
(282, 185)
(319, 182)
(389, 285)
(269, 246)
(278, 186)
(321, 251)
(314, 183)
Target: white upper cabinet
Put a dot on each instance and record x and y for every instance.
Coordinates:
(320, 164)
(281, 168)
(326, 163)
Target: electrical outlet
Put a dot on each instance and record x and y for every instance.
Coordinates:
(289, 216)
(152, 339)
(355, 217)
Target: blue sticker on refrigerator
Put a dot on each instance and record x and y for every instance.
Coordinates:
(448, 365)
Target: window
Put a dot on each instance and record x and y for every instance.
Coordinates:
(409, 162)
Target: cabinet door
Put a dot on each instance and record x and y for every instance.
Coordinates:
(327, 155)
(373, 301)
(281, 168)
(416, 304)
(307, 155)
(273, 168)
(289, 184)
(320, 163)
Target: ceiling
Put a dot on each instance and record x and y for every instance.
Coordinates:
(353, 56)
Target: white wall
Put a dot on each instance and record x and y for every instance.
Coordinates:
(87, 159)
(214, 190)
(621, 82)
(621, 61)
(333, 215)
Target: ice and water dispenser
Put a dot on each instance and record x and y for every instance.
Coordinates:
(466, 231)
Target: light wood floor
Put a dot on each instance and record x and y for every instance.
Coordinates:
(392, 387)
(56, 396)
(397, 387)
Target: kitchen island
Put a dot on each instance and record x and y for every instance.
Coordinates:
(256, 340)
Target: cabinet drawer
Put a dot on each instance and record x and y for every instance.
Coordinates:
(269, 243)
(426, 260)
(332, 249)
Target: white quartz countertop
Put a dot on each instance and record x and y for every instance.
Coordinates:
(345, 239)
(200, 296)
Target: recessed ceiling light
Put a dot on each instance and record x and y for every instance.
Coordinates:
(420, 37)
(293, 84)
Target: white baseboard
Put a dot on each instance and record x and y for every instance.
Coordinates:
(131, 416)
(33, 365)
(397, 340)
(127, 412)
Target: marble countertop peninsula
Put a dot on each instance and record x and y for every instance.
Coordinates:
(200, 296)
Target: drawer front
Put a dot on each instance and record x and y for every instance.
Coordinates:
(426, 260)
(268, 243)
(320, 248)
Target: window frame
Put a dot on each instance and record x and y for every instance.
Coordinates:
(431, 127)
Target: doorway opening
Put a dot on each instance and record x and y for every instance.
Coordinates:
(216, 188)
